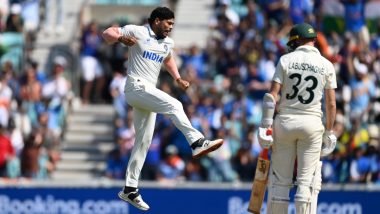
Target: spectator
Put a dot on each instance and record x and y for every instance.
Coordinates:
(5, 100)
(37, 162)
(254, 17)
(300, 10)
(196, 59)
(360, 166)
(126, 133)
(11, 78)
(153, 159)
(355, 22)
(116, 88)
(276, 10)
(50, 145)
(116, 164)
(15, 22)
(30, 155)
(194, 171)
(373, 162)
(56, 92)
(4, 10)
(220, 169)
(31, 94)
(7, 151)
(92, 71)
(172, 167)
(223, 9)
(2, 21)
(16, 138)
(244, 164)
(363, 89)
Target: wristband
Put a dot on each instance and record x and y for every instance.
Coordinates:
(178, 79)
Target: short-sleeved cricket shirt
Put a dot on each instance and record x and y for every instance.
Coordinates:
(304, 75)
(146, 57)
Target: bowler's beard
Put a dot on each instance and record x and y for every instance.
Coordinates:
(160, 36)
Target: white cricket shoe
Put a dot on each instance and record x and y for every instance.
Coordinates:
(203, 147)
(134, 198)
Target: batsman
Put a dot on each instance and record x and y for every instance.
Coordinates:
(302, 131)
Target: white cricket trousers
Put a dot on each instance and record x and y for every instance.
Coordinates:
(296, 136)
(146, 101)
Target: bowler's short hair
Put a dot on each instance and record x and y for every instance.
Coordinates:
(162, 13)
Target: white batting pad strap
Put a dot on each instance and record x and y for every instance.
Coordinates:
(277, 208)
(303, 193)
(270, 103)
(302, 207)
(306, 198)
(317, 183)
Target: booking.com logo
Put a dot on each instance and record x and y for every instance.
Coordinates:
(237, 205)
(50, 205)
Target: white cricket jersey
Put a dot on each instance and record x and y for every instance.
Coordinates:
(304, 75)
(146, 57)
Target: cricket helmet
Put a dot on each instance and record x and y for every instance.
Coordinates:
(299, 31)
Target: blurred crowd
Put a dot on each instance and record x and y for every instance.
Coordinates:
(33, 102)
(230, 76)
(228, 80)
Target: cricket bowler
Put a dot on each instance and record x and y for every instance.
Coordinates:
(149, 49)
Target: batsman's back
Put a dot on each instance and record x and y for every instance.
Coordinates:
(304, 74)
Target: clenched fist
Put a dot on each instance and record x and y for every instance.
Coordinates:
(183, 83)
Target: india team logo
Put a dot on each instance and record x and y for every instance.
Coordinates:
(166, 48)
(153, 56)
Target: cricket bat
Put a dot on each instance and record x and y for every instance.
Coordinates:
(260, 181)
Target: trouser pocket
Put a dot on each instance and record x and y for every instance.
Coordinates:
(136, 85)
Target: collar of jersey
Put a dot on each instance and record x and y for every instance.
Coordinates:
(151, 32)
(308, 48)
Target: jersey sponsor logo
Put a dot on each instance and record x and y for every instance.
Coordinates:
(153, 56)
(147, 42)
(306, 67)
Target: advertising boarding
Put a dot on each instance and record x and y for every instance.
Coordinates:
(92, 200)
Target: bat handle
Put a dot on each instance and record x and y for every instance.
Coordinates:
(265, 151)
(264, 154)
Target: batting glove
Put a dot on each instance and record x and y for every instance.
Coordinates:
(328, 143)
(265, 139)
